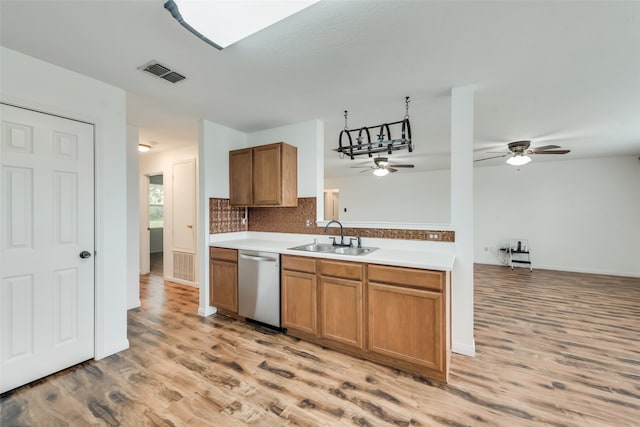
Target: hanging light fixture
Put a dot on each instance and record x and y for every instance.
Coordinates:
(380, 172)
(222, 23)
(143, 148)
(363, 145)
(518, 159)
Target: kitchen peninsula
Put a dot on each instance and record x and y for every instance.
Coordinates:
(391, 306)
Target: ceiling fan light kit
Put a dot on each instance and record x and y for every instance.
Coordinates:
(381, 166)
(519, 152)
(380, 172)
(518, 160)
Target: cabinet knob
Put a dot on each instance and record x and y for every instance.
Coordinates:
(189, 226)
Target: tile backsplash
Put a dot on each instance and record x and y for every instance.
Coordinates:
(225, 219)
(301, 220)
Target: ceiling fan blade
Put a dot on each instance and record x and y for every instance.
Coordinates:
(391, 169)
(489, 158)
(544, 148)
(367, 170)
(552, 152)
(401, 166)
(360, 167)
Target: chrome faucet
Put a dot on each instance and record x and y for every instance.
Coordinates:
(341, 233)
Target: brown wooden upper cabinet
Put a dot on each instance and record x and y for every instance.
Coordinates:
(266, 175)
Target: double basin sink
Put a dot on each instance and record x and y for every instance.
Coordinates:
(331, 249)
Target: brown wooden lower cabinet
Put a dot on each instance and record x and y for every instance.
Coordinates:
(405, 324)
(299, 294)
(341, 316)
(299, 301)
(223, 279)
(392, 315)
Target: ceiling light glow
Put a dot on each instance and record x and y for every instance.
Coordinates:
(519, 160)
(380, 172)
(222, 23)
(143, 148)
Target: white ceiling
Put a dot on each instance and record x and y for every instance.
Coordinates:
(566, 73)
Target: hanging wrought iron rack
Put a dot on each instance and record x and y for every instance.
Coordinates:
(385, 142)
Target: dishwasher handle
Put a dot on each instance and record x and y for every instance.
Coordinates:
(258, 258)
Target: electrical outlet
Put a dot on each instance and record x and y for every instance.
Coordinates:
(309, 223)
(434, 236)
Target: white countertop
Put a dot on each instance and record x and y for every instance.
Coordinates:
(403, 253)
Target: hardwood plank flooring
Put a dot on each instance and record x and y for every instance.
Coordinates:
(553, 348)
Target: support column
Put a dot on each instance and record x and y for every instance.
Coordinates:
(462, 99)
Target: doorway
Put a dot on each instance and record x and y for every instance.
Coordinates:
(47, 233)
(156, 224)
(331, 203)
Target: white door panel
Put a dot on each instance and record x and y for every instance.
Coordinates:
(47, 215)
(184, 206)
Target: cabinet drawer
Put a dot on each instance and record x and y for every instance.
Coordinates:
(297, 263)
(427, 279)
(345, 270)
(223, 254)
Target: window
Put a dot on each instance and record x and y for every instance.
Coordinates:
(156, 206)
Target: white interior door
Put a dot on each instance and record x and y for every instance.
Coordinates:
(47, 245)
(184, 206)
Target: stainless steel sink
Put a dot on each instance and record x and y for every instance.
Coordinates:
(352, 251)
(329, 248)
(315, 247)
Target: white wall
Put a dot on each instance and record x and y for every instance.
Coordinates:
(162, 162)
(404, 197)
(29, 82)
(462, 125)
(133, 225)
(214, 145)
(578, 215)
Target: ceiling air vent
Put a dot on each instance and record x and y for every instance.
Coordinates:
(162, 71)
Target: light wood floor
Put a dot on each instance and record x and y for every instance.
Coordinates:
(553, 348)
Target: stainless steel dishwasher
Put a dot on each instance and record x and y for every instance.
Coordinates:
(259, 286)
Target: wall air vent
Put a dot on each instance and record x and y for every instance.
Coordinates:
(162, 71)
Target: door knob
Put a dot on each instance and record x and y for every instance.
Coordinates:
(85, 254)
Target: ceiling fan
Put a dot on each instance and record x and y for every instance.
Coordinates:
(519, 152)
(382, 166)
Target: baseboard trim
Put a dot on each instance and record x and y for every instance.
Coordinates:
(135, 305)
(113, 349)
(207, 311)
(464, 348)
(569, 269)
(182, 282)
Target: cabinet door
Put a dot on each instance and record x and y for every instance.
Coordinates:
(299, 299)
(341, 310)
(240, 187)
(267, 175)
(223, 285)
(406, 324)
